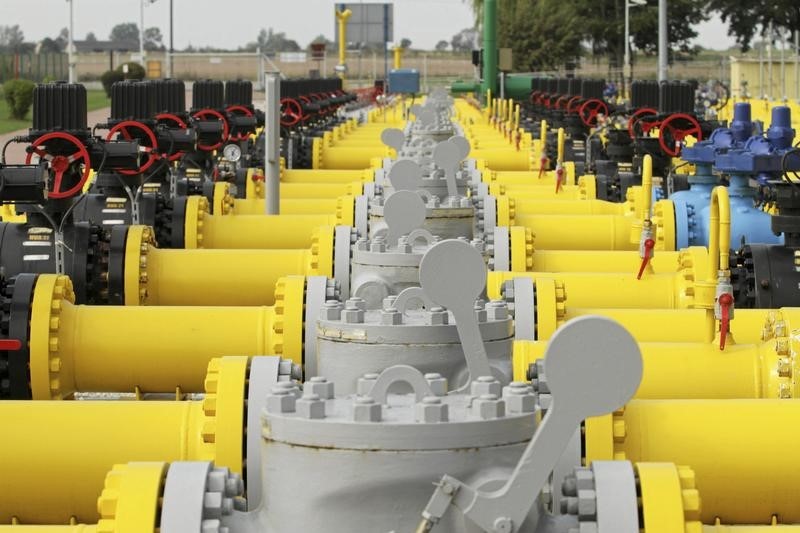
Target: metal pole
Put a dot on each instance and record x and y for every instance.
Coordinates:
(761, 70)
(783, 67)
(626, 74)
(797, 65)
(70, 47)
(272, 138)
(425, 72)
(662, 41)
(141, 31)
(769, 59)
(171, 42)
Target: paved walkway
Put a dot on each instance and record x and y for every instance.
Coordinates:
(15, 153)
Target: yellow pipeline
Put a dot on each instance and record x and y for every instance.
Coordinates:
(584, 190)
(341, 18)
(397, 52)
(40, 486)
(700, 370)
(291, 206)
(255, 231)
(588, 232)
(216, 277)
(325, 176)
(730, 445)
(149, 349)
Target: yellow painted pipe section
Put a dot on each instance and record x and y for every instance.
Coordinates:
(588, 232)
(256, 231)
(697, 370)
(288, 206)
(325, 176)
(740, 450)
(77, 528)
(341, 18)
(304, 191)
(670, 501)
(149, 348)
(348, 157)
(42, 487)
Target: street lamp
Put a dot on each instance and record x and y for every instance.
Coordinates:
(70, 51)
(627, 70)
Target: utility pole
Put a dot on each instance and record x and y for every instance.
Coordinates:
(663, 41)
(141, 32)
(171, 42)
(70, 48)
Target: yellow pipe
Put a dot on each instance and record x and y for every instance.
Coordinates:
(290, 206)
(730, 445)
(304, 191)
(149, 349)
(647, 187)
(341, 18)
(256, 231)
(560, 148)
(40, 486)
(719, 238)
(397, 52)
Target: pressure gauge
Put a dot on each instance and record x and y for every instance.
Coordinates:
(232, 153)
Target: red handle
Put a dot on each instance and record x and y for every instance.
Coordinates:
(10, 345)
(725, 304)
(152, 155)
(649, 244)
(559, 177)
(61, 163)
(208, 114)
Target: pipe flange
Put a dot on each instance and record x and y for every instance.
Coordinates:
(603, 497)
(200, 215)
(51, 291)
(16, 295)
(653, 481)
(664, 225)
(133, 492)
(778, 332)
(199, 497)
(97, 256)
(140, 239)
(288, 322)
(222, 430)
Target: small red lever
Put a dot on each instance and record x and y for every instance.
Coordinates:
(725, 304)
(542, 164)
(559, 177)
(10, 345)
(649, 244)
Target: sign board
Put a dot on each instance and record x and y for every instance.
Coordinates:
(292, 57)
(317, 51)
(369, 23)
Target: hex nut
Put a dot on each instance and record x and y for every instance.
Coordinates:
(391, 317)
(356, 302)
(331, 310)
(431, 410)
(320, 386)
(389, 301)
(378, 244)
(281, 401)
(366, 410)
(353, 315)
(436, 316)
(488, 407)
(362, 244)
(485, 385)
(365, 383)
(311, 406)
(437, 383)
(519, 400)
(497, 310)
(587, 503)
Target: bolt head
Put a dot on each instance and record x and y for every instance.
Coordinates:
(497, 310)
(488, 407)
(356, 303)
(331, 310)
(519, 400)
(389, 301)
(378, 245)
(310, 406)
(436, 316)
(431, 410)
(362, 244)
(353, 316)
(320, 386)
(437, 383)
(366, 410)
(281, 401)
(365, 383)
(391, 317)
(485, 385)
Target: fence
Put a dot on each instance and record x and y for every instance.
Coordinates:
(35, 67)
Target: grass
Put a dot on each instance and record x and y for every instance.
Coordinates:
(95, 99)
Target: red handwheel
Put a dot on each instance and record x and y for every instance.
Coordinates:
(241, 110)
(123, 129)
(178, 121)
(574, 104)
(60, 164)
(291, 112)
(674, 129)
(589, 110)
(642, 121)
(209, 114)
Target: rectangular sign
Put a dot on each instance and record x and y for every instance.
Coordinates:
(292, 57)
(369, 23)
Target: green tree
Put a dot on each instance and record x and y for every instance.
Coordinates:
(90, 37)
(441, 46)
(19, 97)
(125, 32)
(153, 40)
(12, 39)
(464, 41)
(405, 43)
(746, 17)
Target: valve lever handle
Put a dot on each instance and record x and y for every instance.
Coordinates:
(447, 156)
(453, 274)
(404, 212)
(393, 138)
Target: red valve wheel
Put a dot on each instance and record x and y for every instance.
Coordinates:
(674, 129)
(206, 114)
(642, 121)
(178, 121)
(589, 110)
(122, 128)
(562, 102)
(536, 97)
(291, 112)
(61, 163)
(574, 104)
(241, 110)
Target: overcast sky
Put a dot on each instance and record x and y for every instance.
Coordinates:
(232, 23)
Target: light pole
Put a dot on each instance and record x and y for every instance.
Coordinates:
(663, 40)
(70, 52)
(141, 31)
(627, 68)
